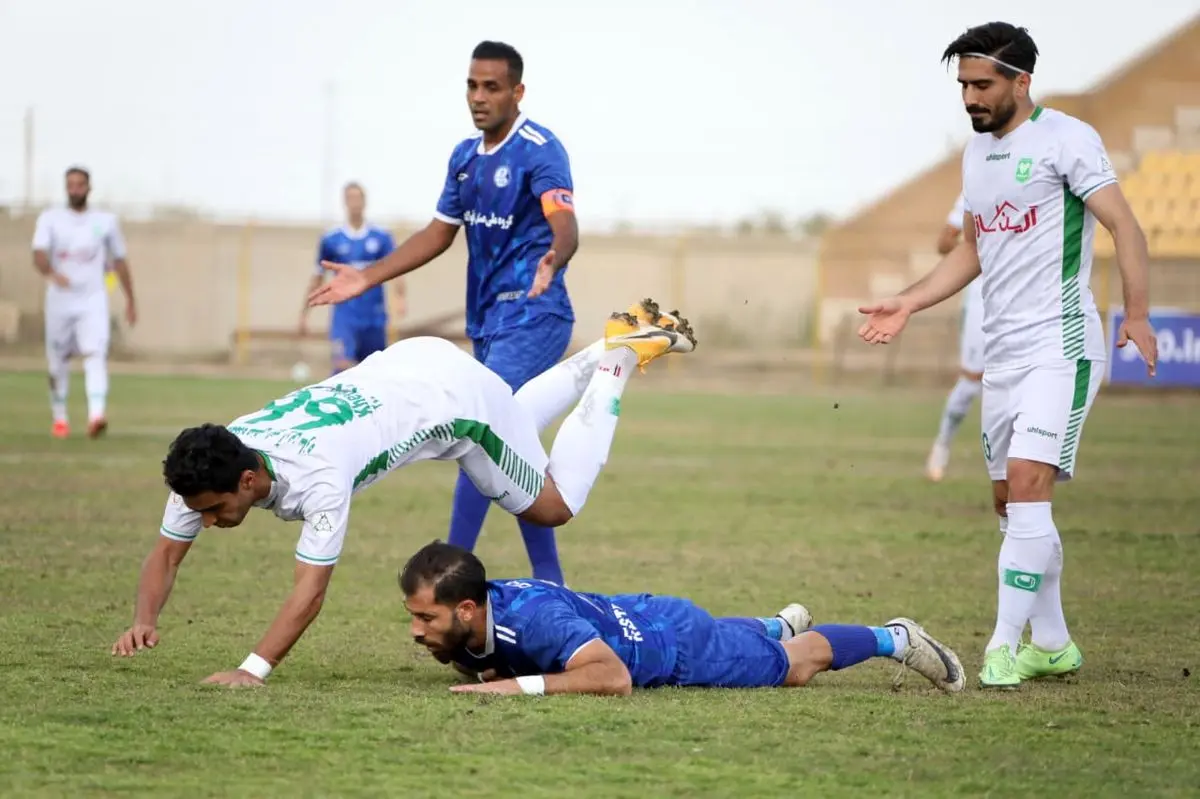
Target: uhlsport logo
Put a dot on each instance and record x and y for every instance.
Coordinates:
(1038, 431)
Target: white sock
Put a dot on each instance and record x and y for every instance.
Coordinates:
(554, 391)
(1024, 557)
(899, 641)
(585, 437)
(95, 379)
(1048, 626)
(60, 381)
(958, 404)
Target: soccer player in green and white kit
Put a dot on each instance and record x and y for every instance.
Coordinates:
(1034, 182)
(304, 456)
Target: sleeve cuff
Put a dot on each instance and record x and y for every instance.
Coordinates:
(449, 220)
(175, 535)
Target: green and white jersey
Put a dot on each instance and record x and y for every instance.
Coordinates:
(325, 442)
(1026, 192)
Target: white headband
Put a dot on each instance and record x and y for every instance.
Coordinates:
(995, 60)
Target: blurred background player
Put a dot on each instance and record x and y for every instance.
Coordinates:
(970, 355)
(72, 249)
(357, 327)
(533, 637)
(1035, 217)
(510, 186)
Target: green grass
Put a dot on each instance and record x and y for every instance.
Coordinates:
(742, 503)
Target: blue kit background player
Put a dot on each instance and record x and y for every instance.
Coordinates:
(510, 187)
(358, 327)
(534, 637)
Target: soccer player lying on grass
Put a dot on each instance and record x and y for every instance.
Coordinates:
(304, 456)
(534, 637)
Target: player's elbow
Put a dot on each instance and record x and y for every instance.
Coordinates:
(619, 681)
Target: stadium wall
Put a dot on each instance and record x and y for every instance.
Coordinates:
(199, 283)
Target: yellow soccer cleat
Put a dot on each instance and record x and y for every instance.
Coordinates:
(647, 312)
(648, 341)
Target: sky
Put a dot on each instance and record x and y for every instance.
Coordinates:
(671, 112)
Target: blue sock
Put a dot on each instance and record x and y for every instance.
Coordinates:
(467, 514)
(542, 550)
(852, 643)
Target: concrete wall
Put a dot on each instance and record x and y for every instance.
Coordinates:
(193, 295)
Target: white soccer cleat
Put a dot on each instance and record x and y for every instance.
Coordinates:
(929, 657)
(938, 460)
(795, 617)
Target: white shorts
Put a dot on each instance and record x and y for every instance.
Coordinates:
(1037, 413)
(498, 446)
(77, 330)
(970, 352)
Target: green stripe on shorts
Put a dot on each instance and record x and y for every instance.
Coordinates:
(1083, 381)
(511, 465)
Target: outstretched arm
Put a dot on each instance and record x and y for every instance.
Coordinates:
(593, 669)
(154, 587)
(299, 610)
(952, 274)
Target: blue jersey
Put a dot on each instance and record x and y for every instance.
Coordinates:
(535, 627)
(502, 198)
(358, 248)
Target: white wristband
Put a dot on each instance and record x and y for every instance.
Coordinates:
(532, 684)
(256, 665)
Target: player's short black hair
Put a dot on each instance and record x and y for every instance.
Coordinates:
(499, 51)
(1000, 40)
(354, 184)
(78, 170)
(206, 458)
(455, 574)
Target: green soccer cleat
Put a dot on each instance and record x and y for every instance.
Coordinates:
(999, 670)
(1033, 662)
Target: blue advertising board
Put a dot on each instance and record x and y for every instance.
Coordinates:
(1178, 334)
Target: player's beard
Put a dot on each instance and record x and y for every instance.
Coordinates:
(78, 202)
(999, 118)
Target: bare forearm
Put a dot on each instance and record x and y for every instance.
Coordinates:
(297, 613)
(41, 262)
(564, 244)
(125, 277)
(154, 587)
(419, 249)
(950, 276)
(1133, 260)
(598, 679)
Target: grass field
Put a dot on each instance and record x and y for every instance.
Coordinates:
(742, 503)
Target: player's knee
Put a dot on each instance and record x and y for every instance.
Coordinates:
(549, 509)
(809, 654)
(1030, 481)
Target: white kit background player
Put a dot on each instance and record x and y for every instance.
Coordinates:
(305, 455)
(963, 395)
(72, 248)
(1035, 182)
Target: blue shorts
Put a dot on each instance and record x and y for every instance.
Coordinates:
(719, 653)
(520, 354)
(355, 341)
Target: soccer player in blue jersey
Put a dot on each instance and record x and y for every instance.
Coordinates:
(535, 637)
(359, 326)
(510, 187)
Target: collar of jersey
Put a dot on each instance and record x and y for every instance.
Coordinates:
(521, 120)
(273, 494)
(489, 641)
(359, 234)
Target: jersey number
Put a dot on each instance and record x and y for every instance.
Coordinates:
(324, 412)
